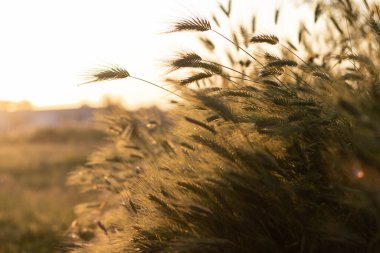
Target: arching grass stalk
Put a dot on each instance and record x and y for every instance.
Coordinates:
(201, 24)
(234, 70)
(156, 85)
(295, 79)
(115, 73)
(190, 59)
(244, 79)
(293, 53)
(228, 78)
(242, 49)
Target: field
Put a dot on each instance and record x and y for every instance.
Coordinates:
(36, 204)
(274, 147)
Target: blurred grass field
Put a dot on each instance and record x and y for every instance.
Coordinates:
(36, 204)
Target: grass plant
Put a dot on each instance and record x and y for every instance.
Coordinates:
(283, 158)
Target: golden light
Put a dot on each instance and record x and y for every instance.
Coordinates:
(46, 45)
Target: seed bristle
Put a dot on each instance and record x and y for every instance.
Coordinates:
(184, 60)
(196, 77)
(265, 38)
(282, 63)
(106, 74)
(199, 24)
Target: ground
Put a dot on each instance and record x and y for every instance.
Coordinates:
(36, 203)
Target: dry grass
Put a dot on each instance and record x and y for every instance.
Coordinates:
(36, 204)
(283, 158)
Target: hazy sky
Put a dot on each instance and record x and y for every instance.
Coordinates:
(47, 44)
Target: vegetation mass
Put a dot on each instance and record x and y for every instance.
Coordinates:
(275, 147)
(36, 204)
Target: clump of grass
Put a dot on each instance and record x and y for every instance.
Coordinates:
(281, 157)
(36, 204)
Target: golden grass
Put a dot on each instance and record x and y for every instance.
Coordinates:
(36, 204)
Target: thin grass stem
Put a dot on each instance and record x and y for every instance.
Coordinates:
(156, 85)
(245, 51)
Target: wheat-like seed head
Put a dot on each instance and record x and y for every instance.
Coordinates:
(317, 12)
(276, 15)
(271, 71)
(201, 124)
(253, 24)
(210, 66)
(352, 77)
(191, 24)
(106, 74)
(196, 77)
(375, 26)
(336, 24)
(271, 57)
(184, 60)
(281, 63)
(207, 43)
(193, 60)
(270, 83)
(321, 75)
(265, 38)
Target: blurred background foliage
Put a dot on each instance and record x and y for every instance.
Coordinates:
(36, 204)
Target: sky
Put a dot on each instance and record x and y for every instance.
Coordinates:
(48, 45)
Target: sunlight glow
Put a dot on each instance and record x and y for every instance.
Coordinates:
(47, 45)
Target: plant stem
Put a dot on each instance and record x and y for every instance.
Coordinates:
(223, 66)
(238, 47)
(156, 85)
(262, 65)
(291, 51)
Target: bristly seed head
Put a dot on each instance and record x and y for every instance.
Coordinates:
(196, 77)
(282, 63)
(321, 75)
(265, 38)
(271, 71)
(106, 73)
(317, 12)
(375, 26)
(184, 60)
(271, 57)
(191, 24)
